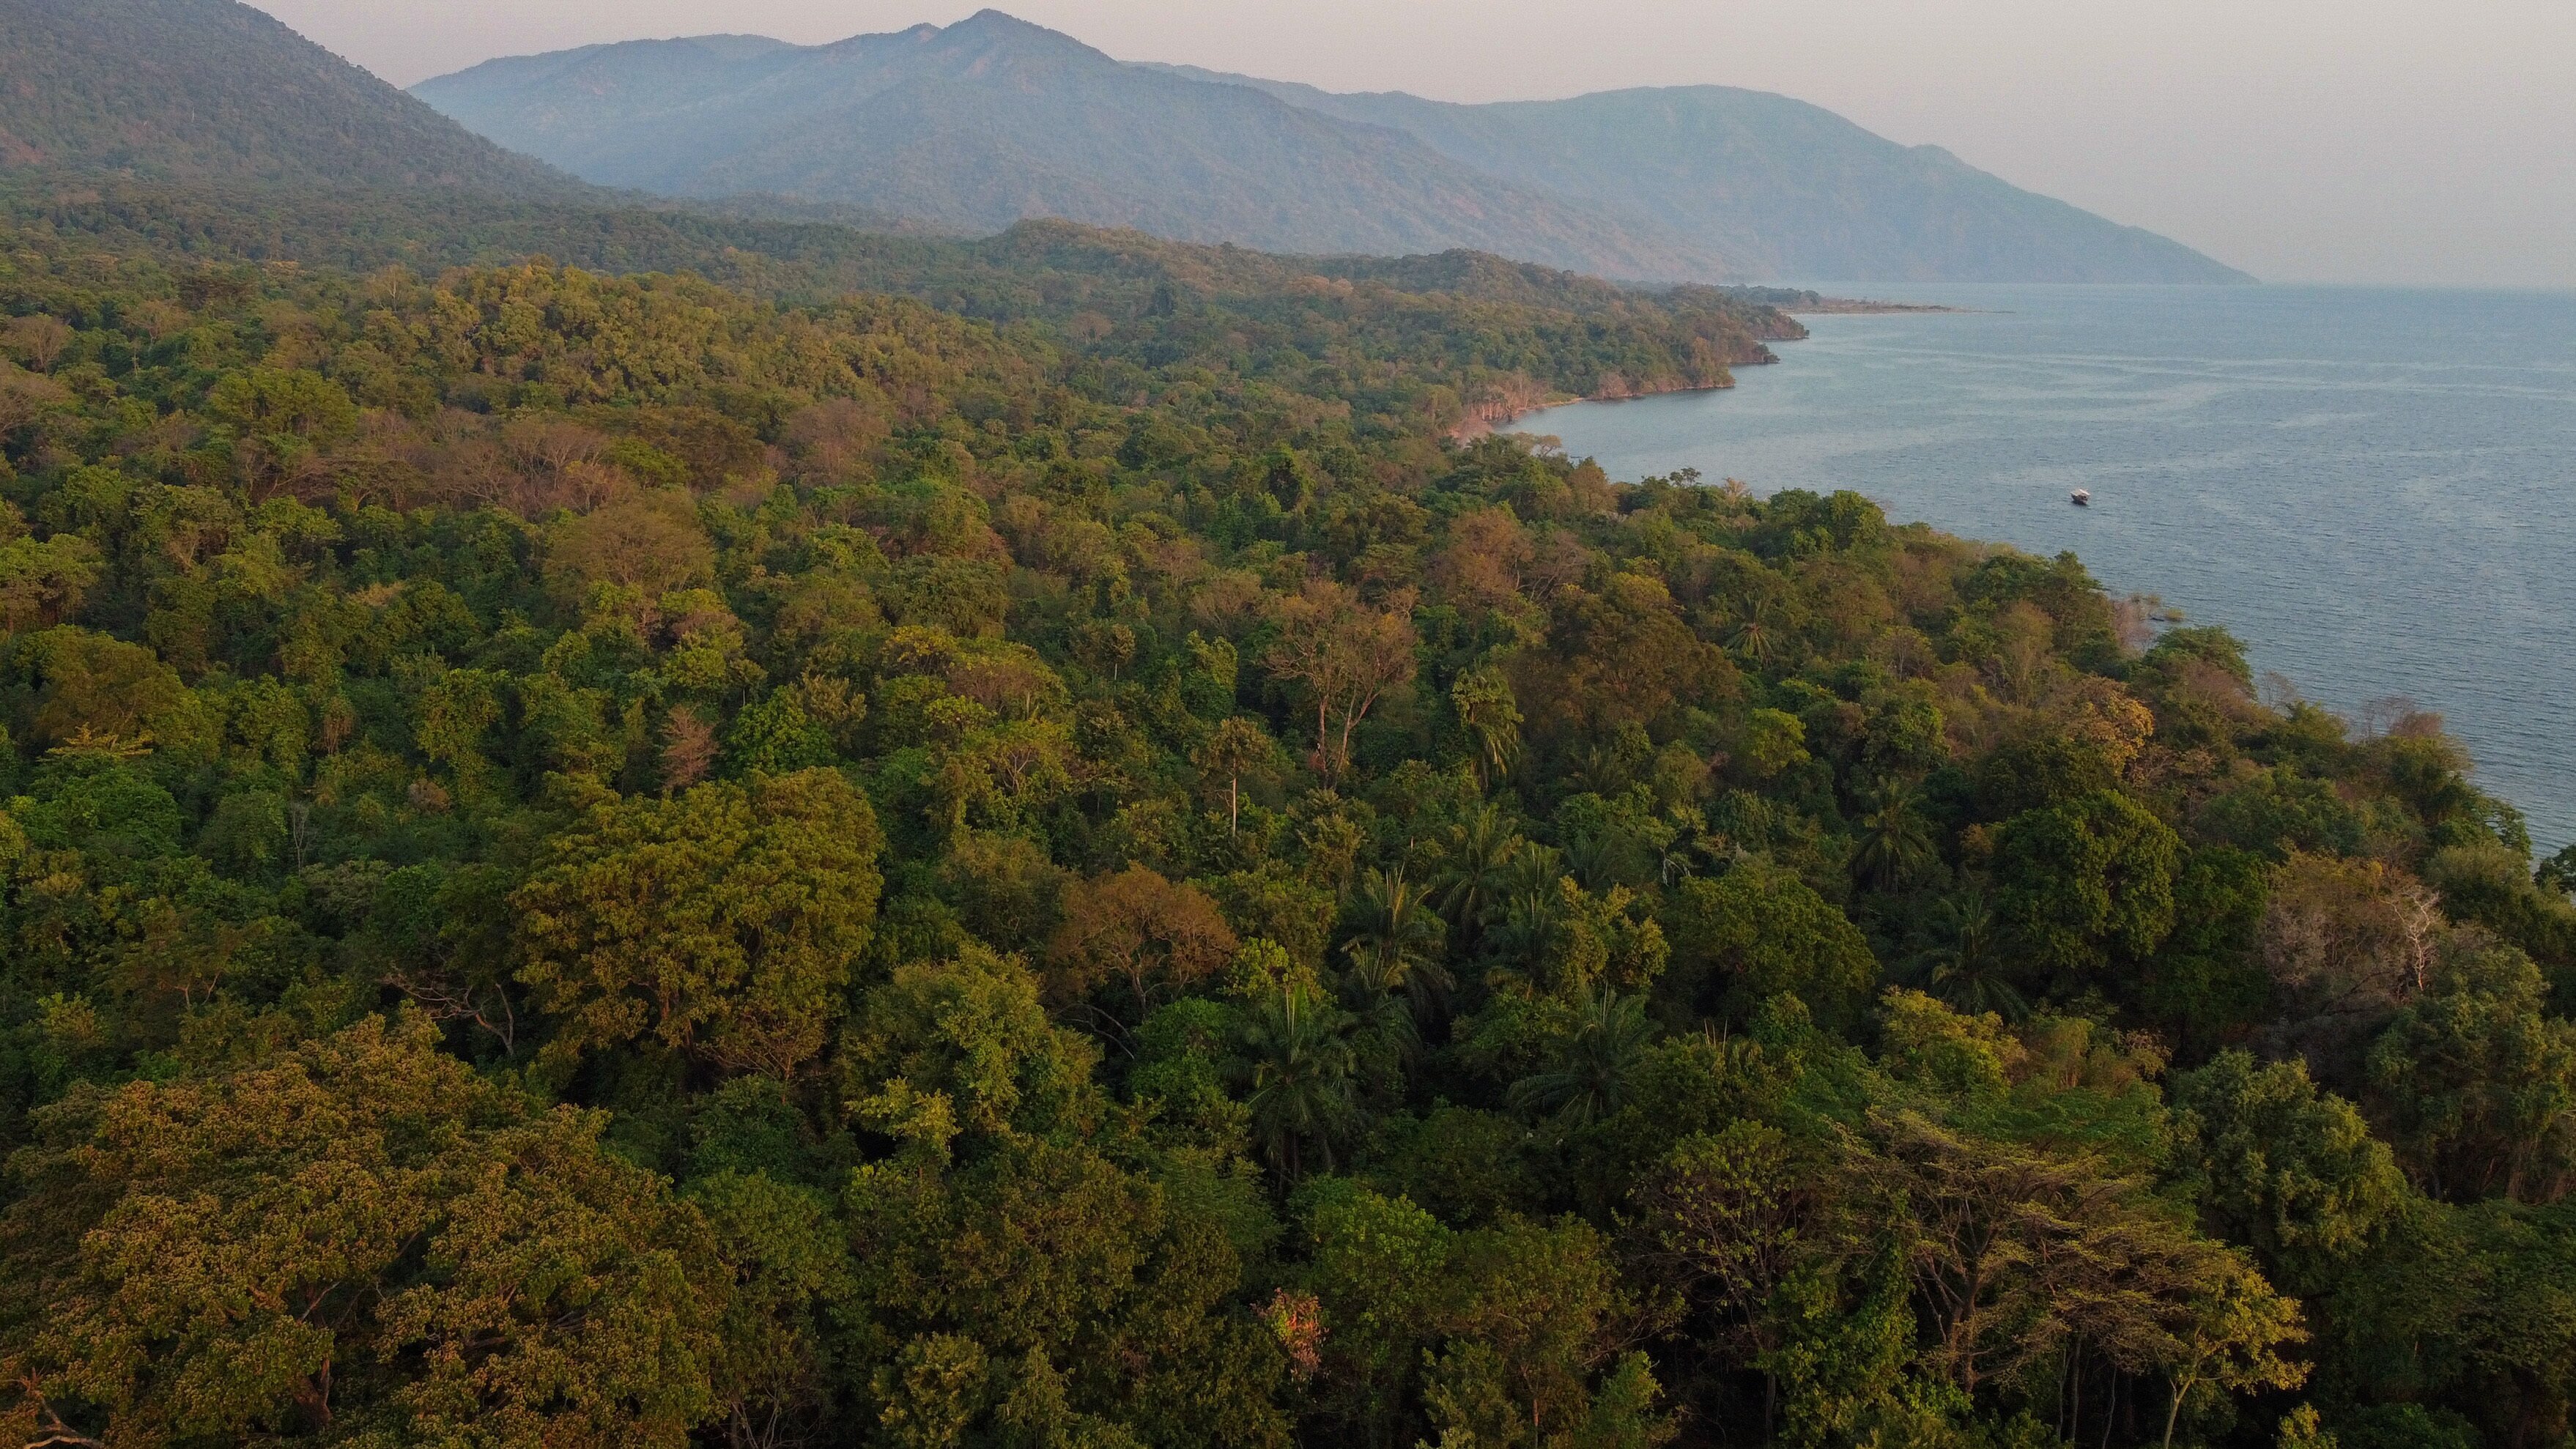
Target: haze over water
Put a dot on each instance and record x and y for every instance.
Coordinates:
(2375, 489)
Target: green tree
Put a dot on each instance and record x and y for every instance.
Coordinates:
(1474, 871)
(357, 1236)
(1966, 963)
(1483, 700)
(1759, 931)
(2231, 1336)
(2282, 1166)
(1237, 747)
(1593, 1062)
(2478, 1083)
(722, 923)
(1535, 1323)
(1296, 1067)
(1395, 944)
(268, 401)
(1895, 846)
(2086, 883)
(1380, 1267)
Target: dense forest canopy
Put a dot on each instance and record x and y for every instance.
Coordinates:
(1058, 851)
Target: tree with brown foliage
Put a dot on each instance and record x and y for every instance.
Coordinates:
(1345, 655)
(1137, 927)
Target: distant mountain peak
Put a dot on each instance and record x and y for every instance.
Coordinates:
(989, 18)
(1001, 30)
(993, 119)
(213, 89)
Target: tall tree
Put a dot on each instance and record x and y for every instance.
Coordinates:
(361, 1236)
(1345, 655)
(1139, 928)
(721, 923)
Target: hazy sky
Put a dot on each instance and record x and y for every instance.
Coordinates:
(2304, 140)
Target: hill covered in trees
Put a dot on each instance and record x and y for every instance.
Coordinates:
(215, 90)
(1039, 854)
(1779, 187)
(992, 120)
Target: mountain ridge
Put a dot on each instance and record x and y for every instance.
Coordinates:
(216, 90)
(993, 119)
(1719, 172)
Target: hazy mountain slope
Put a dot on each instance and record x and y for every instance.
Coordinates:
(992, 120)
(210, 89)
(645, 114)
(1785, 188)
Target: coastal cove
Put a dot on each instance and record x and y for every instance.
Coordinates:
(2374, 488)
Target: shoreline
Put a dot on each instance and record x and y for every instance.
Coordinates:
(1864, 307)
(1805, 301)
(2159, 531)
(1478, 425)
(1485, 420)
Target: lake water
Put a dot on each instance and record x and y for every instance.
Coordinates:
(2375, 489)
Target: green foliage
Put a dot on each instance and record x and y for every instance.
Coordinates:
(1103, 875)
(2478, 1083)
(2281, 1166)
(2087, 884)
(1757, 932)
(720, 923)
(360, 1235)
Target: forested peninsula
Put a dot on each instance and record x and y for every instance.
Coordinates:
(781, 838)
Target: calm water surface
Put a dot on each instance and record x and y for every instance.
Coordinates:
(2374, 489)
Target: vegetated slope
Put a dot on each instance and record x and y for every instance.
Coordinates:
(614, 858)
(215, 89)
(1498, 335)
(1784, 188)
(992, 120)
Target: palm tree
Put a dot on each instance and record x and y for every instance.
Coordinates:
(1966, 966)
(1474, 868)
(1530, 902)
(1601, 858)
(1483, 699)
(1397, 946)
(1682, 844)
(1589, 1080)
(1297, 1062)
(1756, 635)
(1895, 845)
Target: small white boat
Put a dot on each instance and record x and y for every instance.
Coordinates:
(2083, 498)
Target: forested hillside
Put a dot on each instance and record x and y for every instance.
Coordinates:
(1499, 336)
(993, 120)
(1051, 860)
(215, 90)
